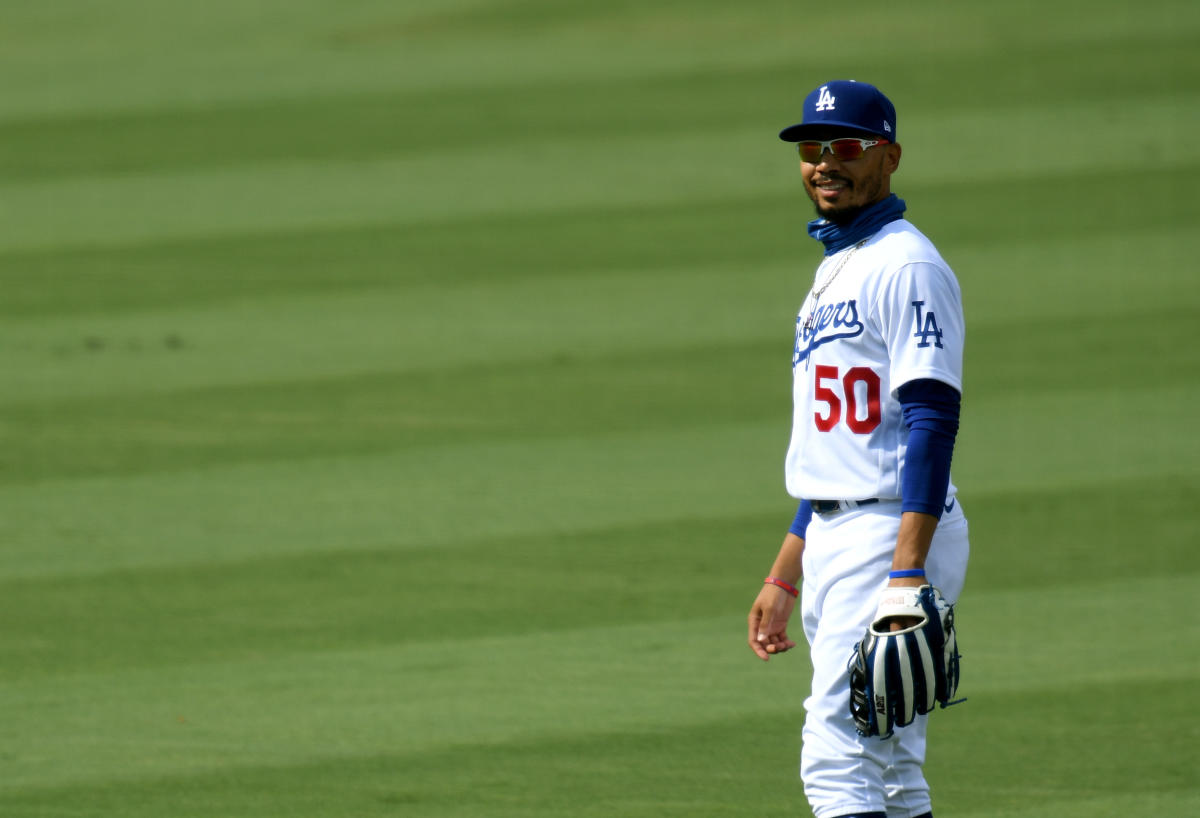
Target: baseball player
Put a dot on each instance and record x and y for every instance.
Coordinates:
(877, 379)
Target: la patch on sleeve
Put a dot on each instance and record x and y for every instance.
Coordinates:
(927, 326)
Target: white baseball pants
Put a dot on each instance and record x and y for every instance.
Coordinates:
(847, 557)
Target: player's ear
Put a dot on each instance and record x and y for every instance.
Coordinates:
(891, 157)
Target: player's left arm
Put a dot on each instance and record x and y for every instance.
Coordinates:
(923, 324)
(930, 409)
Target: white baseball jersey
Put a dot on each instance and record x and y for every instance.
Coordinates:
(881, 313)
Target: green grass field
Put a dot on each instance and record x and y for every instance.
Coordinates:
(396, 395)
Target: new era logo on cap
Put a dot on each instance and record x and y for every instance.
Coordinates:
(845, 104)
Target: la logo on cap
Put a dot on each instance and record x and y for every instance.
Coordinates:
(826, 100)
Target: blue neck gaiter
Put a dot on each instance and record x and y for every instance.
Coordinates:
(837, 237)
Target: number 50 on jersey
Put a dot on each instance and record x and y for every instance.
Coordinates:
(852, 397)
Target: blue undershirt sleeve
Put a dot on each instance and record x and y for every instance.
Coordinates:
(930, 410)
(803, 517)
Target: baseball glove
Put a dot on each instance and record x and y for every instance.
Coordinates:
(896, 676)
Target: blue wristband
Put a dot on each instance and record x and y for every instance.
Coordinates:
(907, 572)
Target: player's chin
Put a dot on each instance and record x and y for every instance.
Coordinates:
(834, 209)
(838, 213)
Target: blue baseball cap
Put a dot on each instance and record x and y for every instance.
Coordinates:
(856, 106)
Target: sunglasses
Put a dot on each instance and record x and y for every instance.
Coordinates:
(843, 149)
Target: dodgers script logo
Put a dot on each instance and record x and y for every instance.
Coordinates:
(826, 100)
(832, 322)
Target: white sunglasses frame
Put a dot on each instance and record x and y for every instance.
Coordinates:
(827, 145)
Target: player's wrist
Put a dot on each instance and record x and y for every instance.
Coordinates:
(907, 578)
(786, 586)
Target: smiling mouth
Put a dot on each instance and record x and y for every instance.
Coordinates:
(831, 185)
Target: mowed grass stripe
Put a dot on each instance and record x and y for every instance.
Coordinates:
(1109, 352)
(550, 685)
(454, 690)
(1070, 437)
(711, 768)
(401, 499)
(435, 494)
(1123, 761)
(370, 414)
(1032, 537)
(544, 176)
(694, 769)
(269, 55)
(1094, 274)
(371, 330)
(526, 484)
(654, 388)
(536, 175)
(380, 124)
(750, 232)
(364, 595)
(163, 274)
(396, 330)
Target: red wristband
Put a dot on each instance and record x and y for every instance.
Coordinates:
(791, 589)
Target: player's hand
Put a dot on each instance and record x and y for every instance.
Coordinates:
(899, 623)
(768, 622)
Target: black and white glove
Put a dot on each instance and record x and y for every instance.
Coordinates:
(897, 675)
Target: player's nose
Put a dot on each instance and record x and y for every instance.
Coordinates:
(828, 160)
